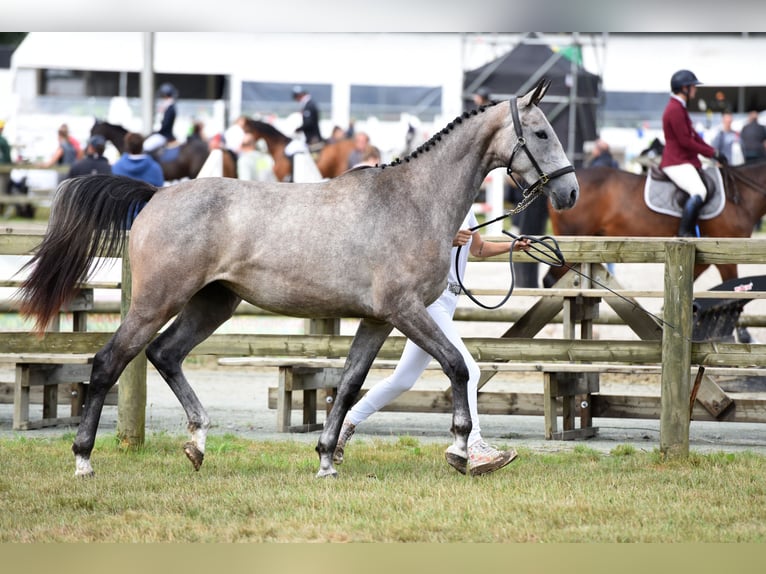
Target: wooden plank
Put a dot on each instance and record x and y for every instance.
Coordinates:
(47, 358)
(483, 349)
(532, 404)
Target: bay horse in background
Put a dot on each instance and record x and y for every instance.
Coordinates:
(331, 159)
(612, 204)
(186, 164)
(201, 246)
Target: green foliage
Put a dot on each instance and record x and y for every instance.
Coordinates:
(386, 491)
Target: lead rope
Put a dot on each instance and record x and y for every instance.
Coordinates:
(544, 249)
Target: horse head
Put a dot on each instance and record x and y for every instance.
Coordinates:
(536, 154)
(112, 132)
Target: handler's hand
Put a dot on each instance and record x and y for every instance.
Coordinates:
(463, 236)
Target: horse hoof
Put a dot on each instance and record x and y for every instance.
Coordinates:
(456, 460)
(82, 467)
(195, 455)
(332, 473)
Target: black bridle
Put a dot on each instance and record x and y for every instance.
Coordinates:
(530, 193)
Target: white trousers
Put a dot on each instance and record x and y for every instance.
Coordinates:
(687, 178)
(153, 142)
(414, 361)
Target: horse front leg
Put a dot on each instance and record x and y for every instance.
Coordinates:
(369, 338)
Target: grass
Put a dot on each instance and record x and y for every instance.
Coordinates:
(255, 491)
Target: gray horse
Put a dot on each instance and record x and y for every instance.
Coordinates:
(373, 243)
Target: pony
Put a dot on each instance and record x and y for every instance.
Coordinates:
(612, 204)
(342, 247)
(187, 163)
(331, 159)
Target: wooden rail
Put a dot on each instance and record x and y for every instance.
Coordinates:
(671, 348)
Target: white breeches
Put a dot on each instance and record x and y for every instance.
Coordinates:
(412, 364)
(687, 178)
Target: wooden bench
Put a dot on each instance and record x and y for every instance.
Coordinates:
(563, 383)
(569, 390)
(61, 376)
(48, 371)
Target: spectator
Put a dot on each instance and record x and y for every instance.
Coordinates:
(254, 164)
(482, 96)
(5, 148)
(361, 146)
(726, 138)
(94, 161)
(310, 113)
(602, 155)
(753, 138)
(370, 158)
(167, 107)
(337, 135)
(66, 153)
(136, 164)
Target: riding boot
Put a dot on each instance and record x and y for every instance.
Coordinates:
(688, 227)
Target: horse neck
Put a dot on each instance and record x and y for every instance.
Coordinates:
(450, 173)
(752, 189)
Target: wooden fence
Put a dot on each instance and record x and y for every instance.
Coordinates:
(670, 346)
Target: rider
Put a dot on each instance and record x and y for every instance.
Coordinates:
(168, 93)
(683, 144)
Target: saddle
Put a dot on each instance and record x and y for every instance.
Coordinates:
(167, 153)
(663, 196)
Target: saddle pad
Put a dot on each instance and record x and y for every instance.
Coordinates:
(660, 196)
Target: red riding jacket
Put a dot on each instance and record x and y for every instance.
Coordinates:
(682, 143)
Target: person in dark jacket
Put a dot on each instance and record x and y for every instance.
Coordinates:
(683, 146)
(136, 164)
(602, 155)
(310, 112)
(164, 135)
(94, 161)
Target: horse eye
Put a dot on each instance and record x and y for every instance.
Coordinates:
(542, 135)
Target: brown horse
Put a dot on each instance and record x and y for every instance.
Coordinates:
(191, 155)
(612, 204)
(332, 159)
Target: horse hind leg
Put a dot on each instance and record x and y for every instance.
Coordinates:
(202, 315)
(108, 363)
(369, 338)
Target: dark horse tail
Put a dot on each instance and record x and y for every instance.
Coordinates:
(90, 216)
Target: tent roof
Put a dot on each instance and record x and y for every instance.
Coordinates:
(513, 72)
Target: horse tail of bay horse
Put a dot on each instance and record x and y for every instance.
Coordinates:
(89, 219)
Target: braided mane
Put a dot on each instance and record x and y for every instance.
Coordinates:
(437, 137)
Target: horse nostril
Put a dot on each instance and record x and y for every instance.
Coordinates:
(573, 197)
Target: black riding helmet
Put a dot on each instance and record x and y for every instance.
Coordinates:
(167, 90)
(683, 78)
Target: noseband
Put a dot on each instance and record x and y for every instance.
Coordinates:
(529, 194)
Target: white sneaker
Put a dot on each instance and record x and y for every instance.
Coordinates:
(483, 458)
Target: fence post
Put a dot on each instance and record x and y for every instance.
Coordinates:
(131, 395)
(676, 348)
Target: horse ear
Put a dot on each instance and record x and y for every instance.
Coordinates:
(533, 98)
